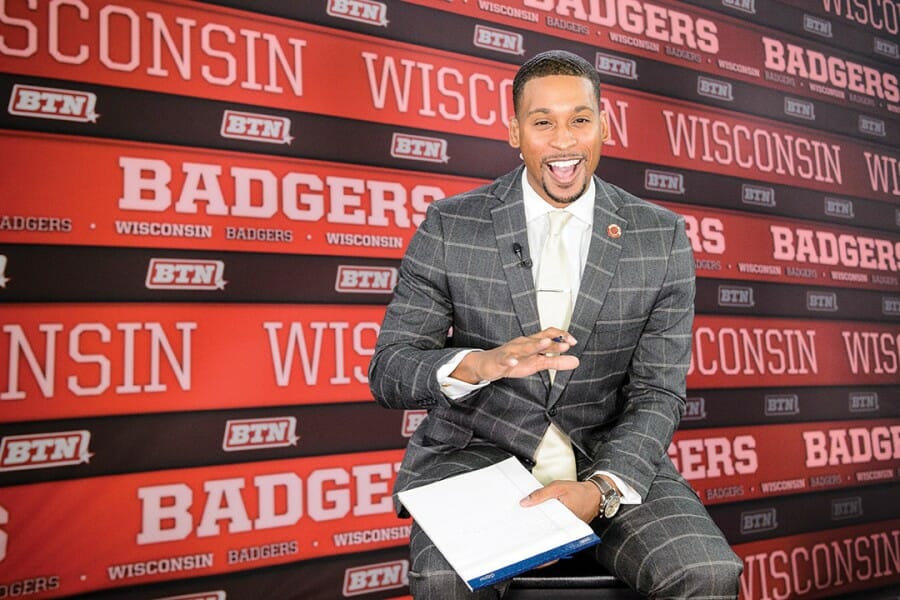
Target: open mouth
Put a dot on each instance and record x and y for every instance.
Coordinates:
(564, 171)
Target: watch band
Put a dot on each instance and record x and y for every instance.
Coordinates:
(610, 499)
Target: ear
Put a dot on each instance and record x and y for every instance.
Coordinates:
(604, 126)
(514, 132)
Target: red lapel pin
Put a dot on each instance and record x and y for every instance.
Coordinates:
(614, 231)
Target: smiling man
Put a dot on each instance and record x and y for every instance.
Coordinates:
(570, 303)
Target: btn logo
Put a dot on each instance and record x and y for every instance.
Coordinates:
(255, 434)
(615, 66)
(365, 280)
(499, 40)
(44, 450)
(782, 404)
(817, 26)
(185, 274)
(747, 6)
(886, 48)
(890, 305)
(714, 88)
(664, 181)
(872, 126)
(3, 278)
(256, 128)
(411, 421)
(802, 109)
(861, 402)
(821, 301)
(839, 207)
(418, 147)
(736, 296)
(361, 11)
(377, 577)
(755, 521)
(846, 508)
(53, 103)
(694, 409)
(757, 195)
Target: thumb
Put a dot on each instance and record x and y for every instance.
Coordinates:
(536, 497)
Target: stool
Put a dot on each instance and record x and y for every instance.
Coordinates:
(574, 578)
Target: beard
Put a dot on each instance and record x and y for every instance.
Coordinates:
(565, 199)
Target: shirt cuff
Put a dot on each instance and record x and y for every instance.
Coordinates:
(629, 495)
(455, 388)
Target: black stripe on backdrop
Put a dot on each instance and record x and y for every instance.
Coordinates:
(317, 579)
(41, 273)
(738, 407)
(193, 122)
(805, 513)
(151, 442)
(137, 443)
(785, 300)
(46, 273)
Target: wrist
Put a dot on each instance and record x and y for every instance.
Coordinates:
(610, 498)
(466, 370)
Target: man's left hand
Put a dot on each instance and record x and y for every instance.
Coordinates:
(581, 497)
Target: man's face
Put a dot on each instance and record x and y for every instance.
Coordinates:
(560, 131)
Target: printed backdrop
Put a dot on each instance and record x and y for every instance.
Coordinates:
(202, 210)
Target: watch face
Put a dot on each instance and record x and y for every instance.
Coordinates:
(611, 506)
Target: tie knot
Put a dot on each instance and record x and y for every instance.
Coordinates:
(558, 220)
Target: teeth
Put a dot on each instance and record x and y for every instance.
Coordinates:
(564, 164)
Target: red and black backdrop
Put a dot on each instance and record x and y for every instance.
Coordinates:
(202, 210)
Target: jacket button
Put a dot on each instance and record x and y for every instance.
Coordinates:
(552, 411)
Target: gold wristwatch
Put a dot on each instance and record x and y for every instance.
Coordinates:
(609, 504)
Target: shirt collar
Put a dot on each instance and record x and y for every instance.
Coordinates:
(536, 207)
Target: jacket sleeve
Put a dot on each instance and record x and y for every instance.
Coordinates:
(655, 390)
(412, 341)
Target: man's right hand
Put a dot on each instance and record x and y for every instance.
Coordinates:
(519, 357)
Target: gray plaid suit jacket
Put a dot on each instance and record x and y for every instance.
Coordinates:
(461, 285)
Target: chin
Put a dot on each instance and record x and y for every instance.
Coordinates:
(568, 198)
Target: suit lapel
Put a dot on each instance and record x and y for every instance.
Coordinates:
(509, 226)
(602, 261)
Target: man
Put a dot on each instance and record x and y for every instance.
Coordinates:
(591, 401)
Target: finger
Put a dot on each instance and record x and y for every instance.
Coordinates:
(562, 362)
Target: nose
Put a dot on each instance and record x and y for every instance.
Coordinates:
(564, 138)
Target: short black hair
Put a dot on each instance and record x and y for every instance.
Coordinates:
(554, 62)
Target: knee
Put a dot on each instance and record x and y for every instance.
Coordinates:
(710, 580)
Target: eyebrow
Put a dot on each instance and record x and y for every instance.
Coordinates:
(578, 109)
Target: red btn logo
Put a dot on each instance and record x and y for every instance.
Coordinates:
(254, 434)
(362, 11)
(372, 578)
(185, 274)
(53, 103)
(419, 147)
(256, 128)
(411, 421)
(365, 280)
(44, 450)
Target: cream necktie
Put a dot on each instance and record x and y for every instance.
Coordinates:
(554, 458)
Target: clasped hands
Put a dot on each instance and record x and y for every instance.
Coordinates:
(519, 357)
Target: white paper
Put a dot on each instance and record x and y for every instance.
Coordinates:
(477, 523)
